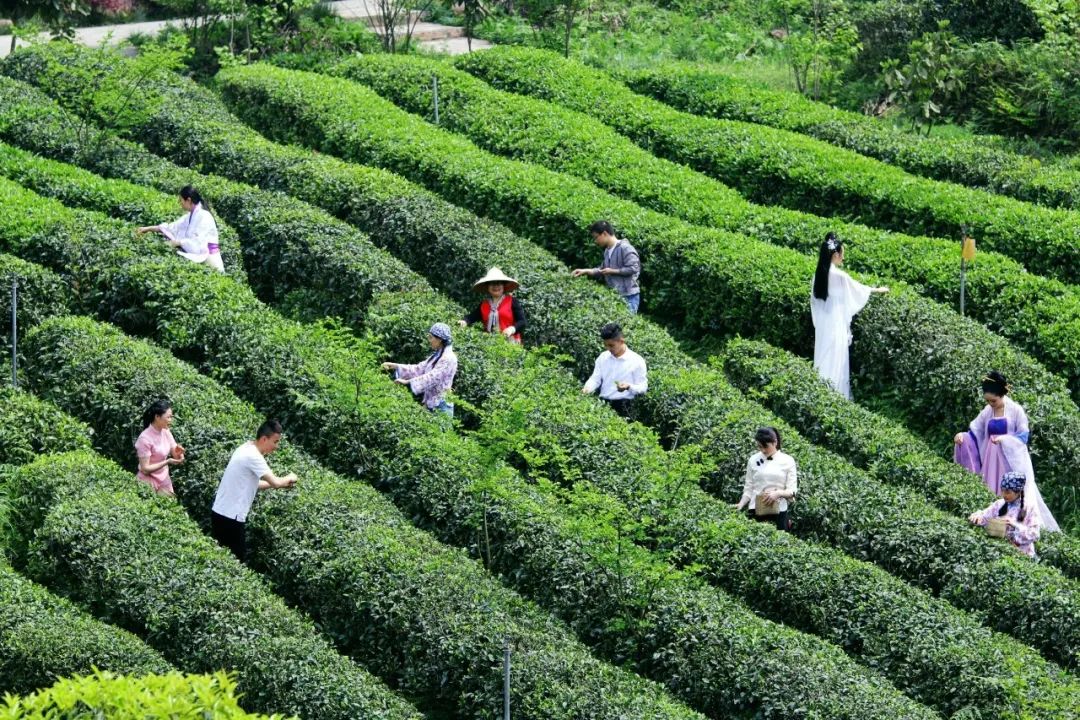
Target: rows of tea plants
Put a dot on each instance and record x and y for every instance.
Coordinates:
(168, 287)
(828, 508)
(598, 556)
(938, 355)
(65, 386)
(706, 91)
(999, 289)
(787, 168)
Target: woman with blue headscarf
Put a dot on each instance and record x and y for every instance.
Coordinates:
(1021, 520)
(431, 379)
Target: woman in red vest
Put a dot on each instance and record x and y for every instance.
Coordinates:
(499, 312)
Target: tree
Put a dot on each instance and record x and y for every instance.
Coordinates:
(395, 21)
(553, 14)
(118, 98)
(931, 78)
(820, 41)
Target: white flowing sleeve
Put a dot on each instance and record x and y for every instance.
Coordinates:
(855, 295)
(978, 425)
(175, 229)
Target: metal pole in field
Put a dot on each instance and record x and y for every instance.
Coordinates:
(435, 91)
(967, 254)
(506, 679)
(14, 333)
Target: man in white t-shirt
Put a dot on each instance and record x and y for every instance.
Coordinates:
(619, 373)
(246, 474)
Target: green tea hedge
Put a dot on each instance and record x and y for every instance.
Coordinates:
(43, 637)
(411, 609)
(1041, 316)
(16, 165)
(449, 242)
(41, 294)
(777, 166)
(118, 697)
(701, 90)
(737, 281)
(88, 530)
(790, 387)
(533, 544)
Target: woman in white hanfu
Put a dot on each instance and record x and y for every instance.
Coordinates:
(996, 443)
(194, 234)
(835, 299)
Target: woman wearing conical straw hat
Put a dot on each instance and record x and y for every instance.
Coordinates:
(499, 311)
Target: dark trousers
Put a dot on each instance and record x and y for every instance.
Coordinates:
(621, 407)
(780, 519)
(229, 533)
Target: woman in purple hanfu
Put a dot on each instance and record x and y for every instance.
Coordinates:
(996, 443)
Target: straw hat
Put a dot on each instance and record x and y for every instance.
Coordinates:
(496, 275)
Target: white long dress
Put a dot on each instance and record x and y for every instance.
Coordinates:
(832, 327)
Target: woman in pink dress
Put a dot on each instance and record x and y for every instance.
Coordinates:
(156, 448)
(996, 442)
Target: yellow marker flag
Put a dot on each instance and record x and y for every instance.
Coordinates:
(968, 250)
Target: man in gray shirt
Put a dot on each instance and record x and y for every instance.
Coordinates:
(620, 267)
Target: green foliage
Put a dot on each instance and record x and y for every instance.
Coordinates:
(1000, 289)
(152, 571)
(105, 694)
(820, 41)
(114, 94)
(790, 387)
(531, 543)
(43, 637)
(684, 401)
(553, 209)
(780, 167)
(929, 81)
(57, 15)
(338, 549)
(1028, 91)
(30, 427)
(41, 294)
(704, 91)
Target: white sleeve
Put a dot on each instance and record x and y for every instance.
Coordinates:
(595, 379)
(856, 295)
(257, 465)
(639, 380)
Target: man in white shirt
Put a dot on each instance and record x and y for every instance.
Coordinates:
(246, 474)
(619, 373)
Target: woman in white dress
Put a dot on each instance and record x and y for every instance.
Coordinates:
(194, 234)
(836, 299)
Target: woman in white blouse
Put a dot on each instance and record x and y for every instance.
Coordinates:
(194, 234)
(771, 480)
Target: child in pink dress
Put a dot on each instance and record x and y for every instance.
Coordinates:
(156, 448)
(1023, 522)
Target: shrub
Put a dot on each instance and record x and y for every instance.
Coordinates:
(30, 427)
(703, 91)
(41, 294)
(104, 694)
(792, 388)
(777, 166)
(1000, 289)
(91, 532)
(326, 112)
(43, 637)
(438, 235)
(417, 611)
